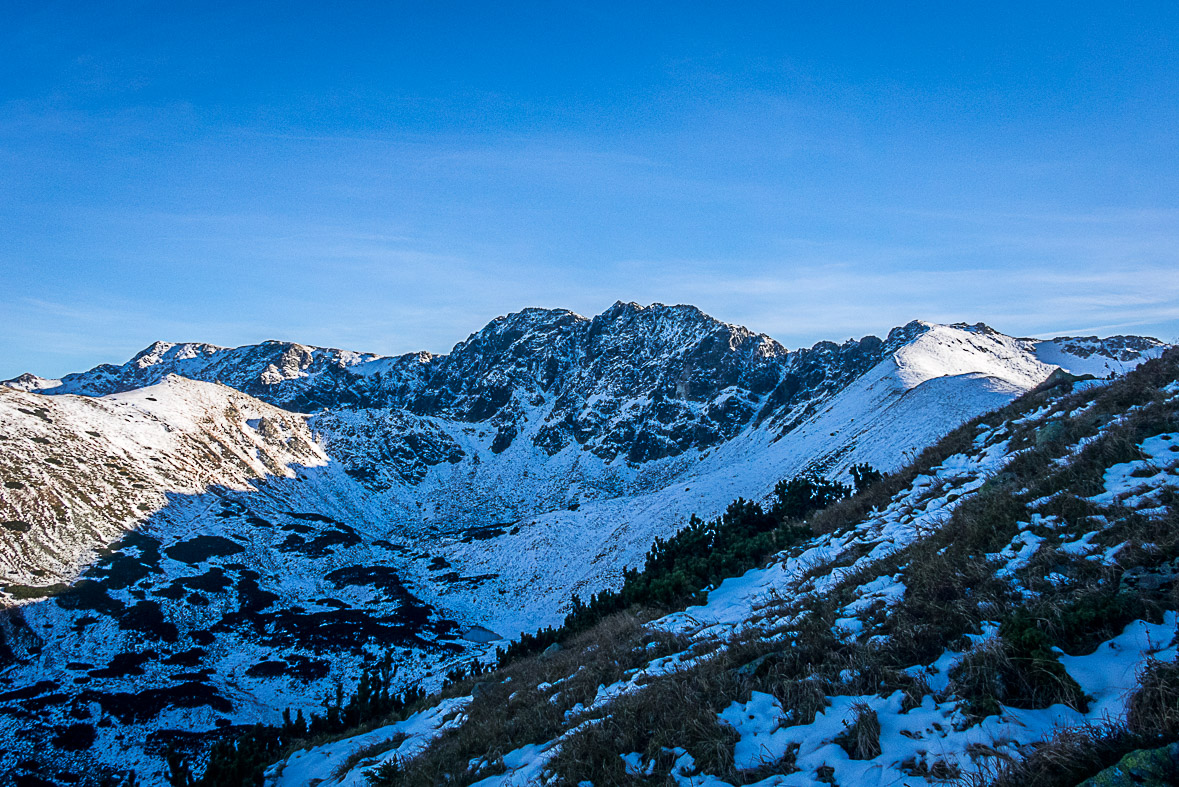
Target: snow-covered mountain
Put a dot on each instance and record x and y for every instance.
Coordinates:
(228, 532)
(644, 383)
(1001, 612)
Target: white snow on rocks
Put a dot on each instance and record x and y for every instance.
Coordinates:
(337, 765)
(1136, 483)
(936, 731)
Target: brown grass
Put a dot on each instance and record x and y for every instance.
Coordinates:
(1153, 710)
(1064, 760)
(511, 710)
(861, 739)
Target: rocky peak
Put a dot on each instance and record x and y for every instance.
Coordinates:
(164, 352)
(30, 382)
(633, 328)
(526, 347)
(906, 333)
(1119, 348)
(978, 327)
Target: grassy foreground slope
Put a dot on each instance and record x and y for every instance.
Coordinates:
(1003, 610)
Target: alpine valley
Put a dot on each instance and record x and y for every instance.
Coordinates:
(205, 537)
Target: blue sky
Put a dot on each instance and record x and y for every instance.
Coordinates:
(388, 177)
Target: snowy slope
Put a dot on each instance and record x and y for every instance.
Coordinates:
(1085, 527)
(238, 558)
(81, 471)
(884, 418)
(1099, 357)
(184, 557)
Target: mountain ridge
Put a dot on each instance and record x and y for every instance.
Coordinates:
(300, 360)
(679, 358)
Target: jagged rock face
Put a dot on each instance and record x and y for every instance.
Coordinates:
(1125, 349)
(376, 441)
(638, 382)
(641, 383)
(655, 382)
(512, 365)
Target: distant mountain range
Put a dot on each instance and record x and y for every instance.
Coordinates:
(204, 536)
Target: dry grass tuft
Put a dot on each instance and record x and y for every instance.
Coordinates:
(1066, 759)
(995, 673)
(861, 739)
(1153, 710)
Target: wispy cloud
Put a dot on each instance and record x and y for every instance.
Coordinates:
(809, 213)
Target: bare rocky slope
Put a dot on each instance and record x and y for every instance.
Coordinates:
(204, 536)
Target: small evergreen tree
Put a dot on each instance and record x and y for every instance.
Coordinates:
(864, 475)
